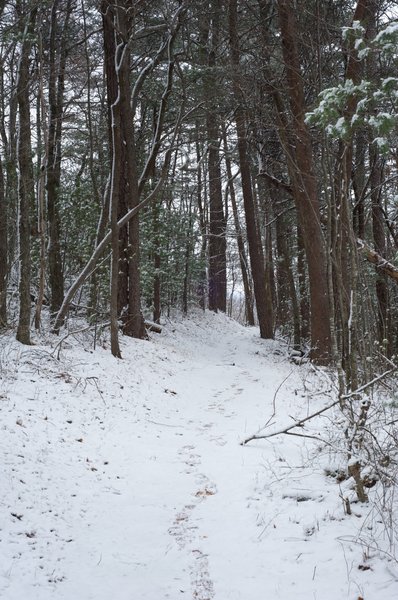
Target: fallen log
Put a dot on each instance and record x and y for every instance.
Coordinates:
(152, 326)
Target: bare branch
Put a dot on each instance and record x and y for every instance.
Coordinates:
(300, 423)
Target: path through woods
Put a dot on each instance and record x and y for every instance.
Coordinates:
(125, 478)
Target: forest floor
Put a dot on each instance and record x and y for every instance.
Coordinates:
(126, 479)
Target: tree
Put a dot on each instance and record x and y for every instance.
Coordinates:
(3, 252)
(58, 53)
(305, 189)
(210, 41)
(263, 304)
(25, 178)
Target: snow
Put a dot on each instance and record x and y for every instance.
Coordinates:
(126, 478)
(384, 36)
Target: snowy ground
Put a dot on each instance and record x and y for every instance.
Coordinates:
(125, 478)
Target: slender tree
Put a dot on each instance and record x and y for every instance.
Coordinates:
(305, 189)
(3, 252)
(25, 179)
(264, 309)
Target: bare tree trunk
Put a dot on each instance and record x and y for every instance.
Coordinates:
(3, 252)
(201, 194)
(359, 184)
(239, 238)
(41, 210)
(264, 311)
(262, 204)
(286, 284)
(133, 321)
(9, 138)
(57, 64)
(302, 286)
(114, 57)
(346, 258)
(379, 238)
(376, 180)
(114, 202)
(156, 262)
(188, 252)
(305, 191)
(25, 181)
(217, 222)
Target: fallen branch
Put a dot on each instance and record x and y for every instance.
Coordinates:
(278, 183)
(300, 423)
(286, 430)
(82, 330)
(381, 263)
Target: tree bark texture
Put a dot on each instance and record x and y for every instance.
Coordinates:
(217, 223)
(264, 312)
(305, 190)
(25, 182)
(3, 252)
(57, 65)
(118, 88)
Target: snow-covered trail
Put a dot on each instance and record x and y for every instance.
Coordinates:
(126, 480)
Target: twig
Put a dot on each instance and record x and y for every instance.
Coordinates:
(368, 384)
(274, 404)
(285, 430)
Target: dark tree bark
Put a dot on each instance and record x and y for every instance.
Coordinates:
(133, 321)
(217, 223)
(302, 280)
(288, 306)
(187, 257)
(115, 55)
(25, 181)
(359, 184)
(305, 190)
(9, 139)
(57, 65)
(243, 261)
(3, 251)
(376, 187)
(157, 308)
(264, 311)
(117, 32)
(201, 197)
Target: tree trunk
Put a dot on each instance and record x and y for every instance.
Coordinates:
(201, 193)
(57, 65)
(376, 181)
(288, 306)
(264, 312)
(133, 320)
(379, 239)
(157, 309)
(305, 191)
(114, 56)
(25, 181)
(217, 223)
(239, 239)
(3, 252)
